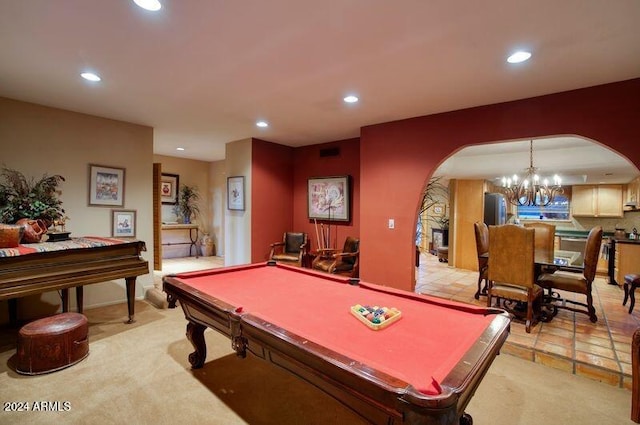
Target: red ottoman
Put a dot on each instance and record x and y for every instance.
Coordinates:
(52, 343)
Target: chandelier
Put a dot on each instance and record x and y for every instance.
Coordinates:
(529, 190)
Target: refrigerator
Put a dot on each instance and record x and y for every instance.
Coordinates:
(495, 209)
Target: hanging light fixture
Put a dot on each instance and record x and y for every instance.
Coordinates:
(530, 190)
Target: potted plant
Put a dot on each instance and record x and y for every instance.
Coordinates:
(31, 199)
(187, 206)
(434, 193)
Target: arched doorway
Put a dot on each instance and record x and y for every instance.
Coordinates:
(476, 169)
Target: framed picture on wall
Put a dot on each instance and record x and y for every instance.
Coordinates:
(235, 193)
(169, 188)
(328, 198)
(123, 223)
(106, 186)
(438, 209)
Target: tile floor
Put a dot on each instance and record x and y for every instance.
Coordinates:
(570, 342)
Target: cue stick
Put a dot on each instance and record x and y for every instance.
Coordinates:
(322, 231)
(317, 235)
(326, 245)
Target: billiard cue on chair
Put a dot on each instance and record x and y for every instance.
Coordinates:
(317, 235)
(322, 233)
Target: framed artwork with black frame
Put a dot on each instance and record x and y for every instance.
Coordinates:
(235, 193)
(329, 198)
(169, 184)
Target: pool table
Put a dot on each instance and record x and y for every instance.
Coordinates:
(422, 368)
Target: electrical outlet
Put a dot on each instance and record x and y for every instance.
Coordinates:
(392, 223)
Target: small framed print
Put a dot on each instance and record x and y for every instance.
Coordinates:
(106, 186)
(438, 209)
(123, 223)
(169, 188)
(235, 193)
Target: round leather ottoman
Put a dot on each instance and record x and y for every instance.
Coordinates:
(52, 343)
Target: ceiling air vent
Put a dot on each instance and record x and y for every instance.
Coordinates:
(329, 152)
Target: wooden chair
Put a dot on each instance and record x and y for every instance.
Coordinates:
(576, 282)
(482, 247)
(631, 282)
(635, 376)
(511, 271)
(544, 237)
(345, 262)
(291, 250)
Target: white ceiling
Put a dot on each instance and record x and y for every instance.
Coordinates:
(576, 160)
(202, 72)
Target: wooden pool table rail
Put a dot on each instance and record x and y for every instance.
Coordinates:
(372, 394)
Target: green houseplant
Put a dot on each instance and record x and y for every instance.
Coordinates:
(187, 206)
(28, 198)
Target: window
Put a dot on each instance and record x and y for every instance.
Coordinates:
(559, 209)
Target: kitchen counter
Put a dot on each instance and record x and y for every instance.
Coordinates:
(626, 240)
(582, 234)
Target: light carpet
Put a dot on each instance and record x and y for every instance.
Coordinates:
(139, 374)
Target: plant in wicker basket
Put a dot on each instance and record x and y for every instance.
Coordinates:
(29, 198)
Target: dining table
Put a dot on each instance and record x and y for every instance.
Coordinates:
(547, 261)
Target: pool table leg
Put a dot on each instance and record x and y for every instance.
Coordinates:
(466, 419)
(195, 335)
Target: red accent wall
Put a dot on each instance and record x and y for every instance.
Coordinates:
(397, 158)
(271, 196)
(308, 163)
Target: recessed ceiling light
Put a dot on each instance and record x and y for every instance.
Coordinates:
(179, 149)
(262, 124)
(152, 5)
(90, 76)
(519, 56)
(350, 99)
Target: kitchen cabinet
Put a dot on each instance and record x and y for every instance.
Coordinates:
(604, 200)
(633, 192)
(627, 260)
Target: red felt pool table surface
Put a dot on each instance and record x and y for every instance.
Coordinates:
(428, 340)
(422, 348)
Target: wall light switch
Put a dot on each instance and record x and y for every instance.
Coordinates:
(392, 223)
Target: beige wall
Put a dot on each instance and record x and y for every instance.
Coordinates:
(237, 240)
(38, 140)
(218, 194)
(193, 173)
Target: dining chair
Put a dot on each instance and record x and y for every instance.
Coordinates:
(544, 238)
(291, 250)
(580, 283)
(511, 271)
(482, 248)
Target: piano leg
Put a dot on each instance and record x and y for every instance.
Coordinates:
(131, 296)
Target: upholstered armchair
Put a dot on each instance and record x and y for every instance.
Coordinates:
(578, 283)
(511, 270)
(343, 262)
(291, 250)
(482, 248)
